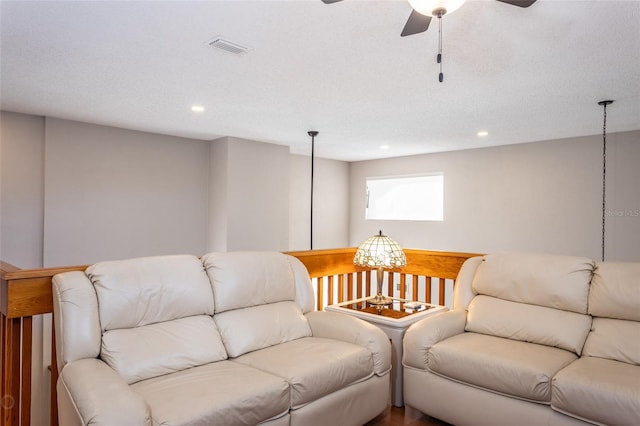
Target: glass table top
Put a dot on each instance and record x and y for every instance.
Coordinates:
(396, 310)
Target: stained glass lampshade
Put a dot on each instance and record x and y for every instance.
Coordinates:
(380, 252)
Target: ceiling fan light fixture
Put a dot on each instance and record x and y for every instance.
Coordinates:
(434, 7)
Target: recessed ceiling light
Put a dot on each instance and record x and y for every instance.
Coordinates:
(483, 133)
(197, 108)
(384, 146)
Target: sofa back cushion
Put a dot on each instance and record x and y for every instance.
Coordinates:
(615, 291)
(257, 304)
(531, 297)
(614, 339)
(249, 329)
(614, 301)
(155, 315)
(245, 279)
(560, 282)
(136, 292)
(528, 323)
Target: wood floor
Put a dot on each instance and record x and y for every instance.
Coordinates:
(405, 416)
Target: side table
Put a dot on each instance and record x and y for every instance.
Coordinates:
(394, 320)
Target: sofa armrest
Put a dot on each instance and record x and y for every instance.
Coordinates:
(333, 325)
(91, 392)
(422, 335)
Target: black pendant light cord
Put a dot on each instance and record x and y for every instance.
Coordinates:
(604, 170)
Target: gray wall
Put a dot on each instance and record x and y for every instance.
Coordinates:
(218, 189)
(21, 189)
(100, 193)
(114, 193)
(140, 194)
(623, 197)
(330, 203)
(259, 198)
(103, 193)
(21, 226)
(76, 193)
(249, 196)
(543, 196)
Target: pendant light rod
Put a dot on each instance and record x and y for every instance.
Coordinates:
(604, 168)
(440, 13)
(313, 135)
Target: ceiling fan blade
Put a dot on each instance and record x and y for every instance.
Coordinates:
(330, 1)
(521, 3)
(417, 23)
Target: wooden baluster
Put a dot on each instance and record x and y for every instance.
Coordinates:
(320, 293)
(330, 290)
(403, 286)
(414, 288)
(340, 288)
(359, 284)
(54, 378)
(350, 286)
(369, 283)
(10, 400)
(427, 289)
(441, 291)
(27, 346)
(390, 284)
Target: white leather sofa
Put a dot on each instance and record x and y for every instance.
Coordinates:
(533, 339)
(229, 339)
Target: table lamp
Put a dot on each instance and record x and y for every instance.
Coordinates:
(380, 252)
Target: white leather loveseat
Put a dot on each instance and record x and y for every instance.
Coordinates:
(229, 339)
(533, 339)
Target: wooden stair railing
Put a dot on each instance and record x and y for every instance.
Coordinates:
(25, 293)
(337, 278)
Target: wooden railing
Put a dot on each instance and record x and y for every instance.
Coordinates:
(25, 293)
(428, 276)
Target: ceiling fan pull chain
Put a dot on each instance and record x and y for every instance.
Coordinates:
(439, 58)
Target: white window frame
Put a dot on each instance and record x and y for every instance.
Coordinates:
(394, 197)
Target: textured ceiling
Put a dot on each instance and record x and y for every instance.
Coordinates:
(523, 75)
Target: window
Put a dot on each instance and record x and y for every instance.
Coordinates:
(405, 198)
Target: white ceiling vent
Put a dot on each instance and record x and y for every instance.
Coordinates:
(226, 45)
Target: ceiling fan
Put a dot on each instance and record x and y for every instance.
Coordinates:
(424, 10)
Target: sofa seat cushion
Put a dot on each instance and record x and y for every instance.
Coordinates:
(220, 393)
(509, 367)
(313, 366)
(154, 350)
(598, 390)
